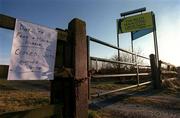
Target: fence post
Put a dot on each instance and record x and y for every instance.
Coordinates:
(89, 66)
(72, 91)
(77, 33)
(155, 72)
(137, 70)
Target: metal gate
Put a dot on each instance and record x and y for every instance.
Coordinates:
(135, 64)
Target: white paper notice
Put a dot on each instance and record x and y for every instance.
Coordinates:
(33, 52)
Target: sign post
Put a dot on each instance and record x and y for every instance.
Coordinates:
(155, 41)
(132, 48)
(139, 25)
(117, 21)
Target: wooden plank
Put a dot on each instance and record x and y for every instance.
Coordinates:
(46, 111)
(59, 54)
(62, 34)
(3, 71)
(7, 22)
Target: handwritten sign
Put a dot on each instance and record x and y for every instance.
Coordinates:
(33, 52)
(136, 22)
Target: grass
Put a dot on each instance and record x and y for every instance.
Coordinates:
(23, 95)
(100, 86)
(106, 86)
(22, 100)
(93, 114)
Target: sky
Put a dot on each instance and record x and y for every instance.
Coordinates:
(100, 17)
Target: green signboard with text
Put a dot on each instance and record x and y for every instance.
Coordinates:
(135, 23)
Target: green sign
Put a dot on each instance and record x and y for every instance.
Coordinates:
(137, 22)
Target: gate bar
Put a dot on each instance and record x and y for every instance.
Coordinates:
(115, 47)
(121, 89)
(113, 61)
(119, 75)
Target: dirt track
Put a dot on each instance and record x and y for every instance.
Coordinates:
(144, 103)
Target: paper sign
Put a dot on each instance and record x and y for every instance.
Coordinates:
(33, 52)
(137, 22)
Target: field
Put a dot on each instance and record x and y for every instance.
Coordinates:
(136, 103)
(23, 95)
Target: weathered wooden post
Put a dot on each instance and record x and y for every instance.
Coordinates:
(77, 33)
(72, 90)
(155, 72)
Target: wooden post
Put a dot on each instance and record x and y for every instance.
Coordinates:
(89, 66)
(155, 72)
(77, 33)
(70, 87)
(3, 71)
(73, 91)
